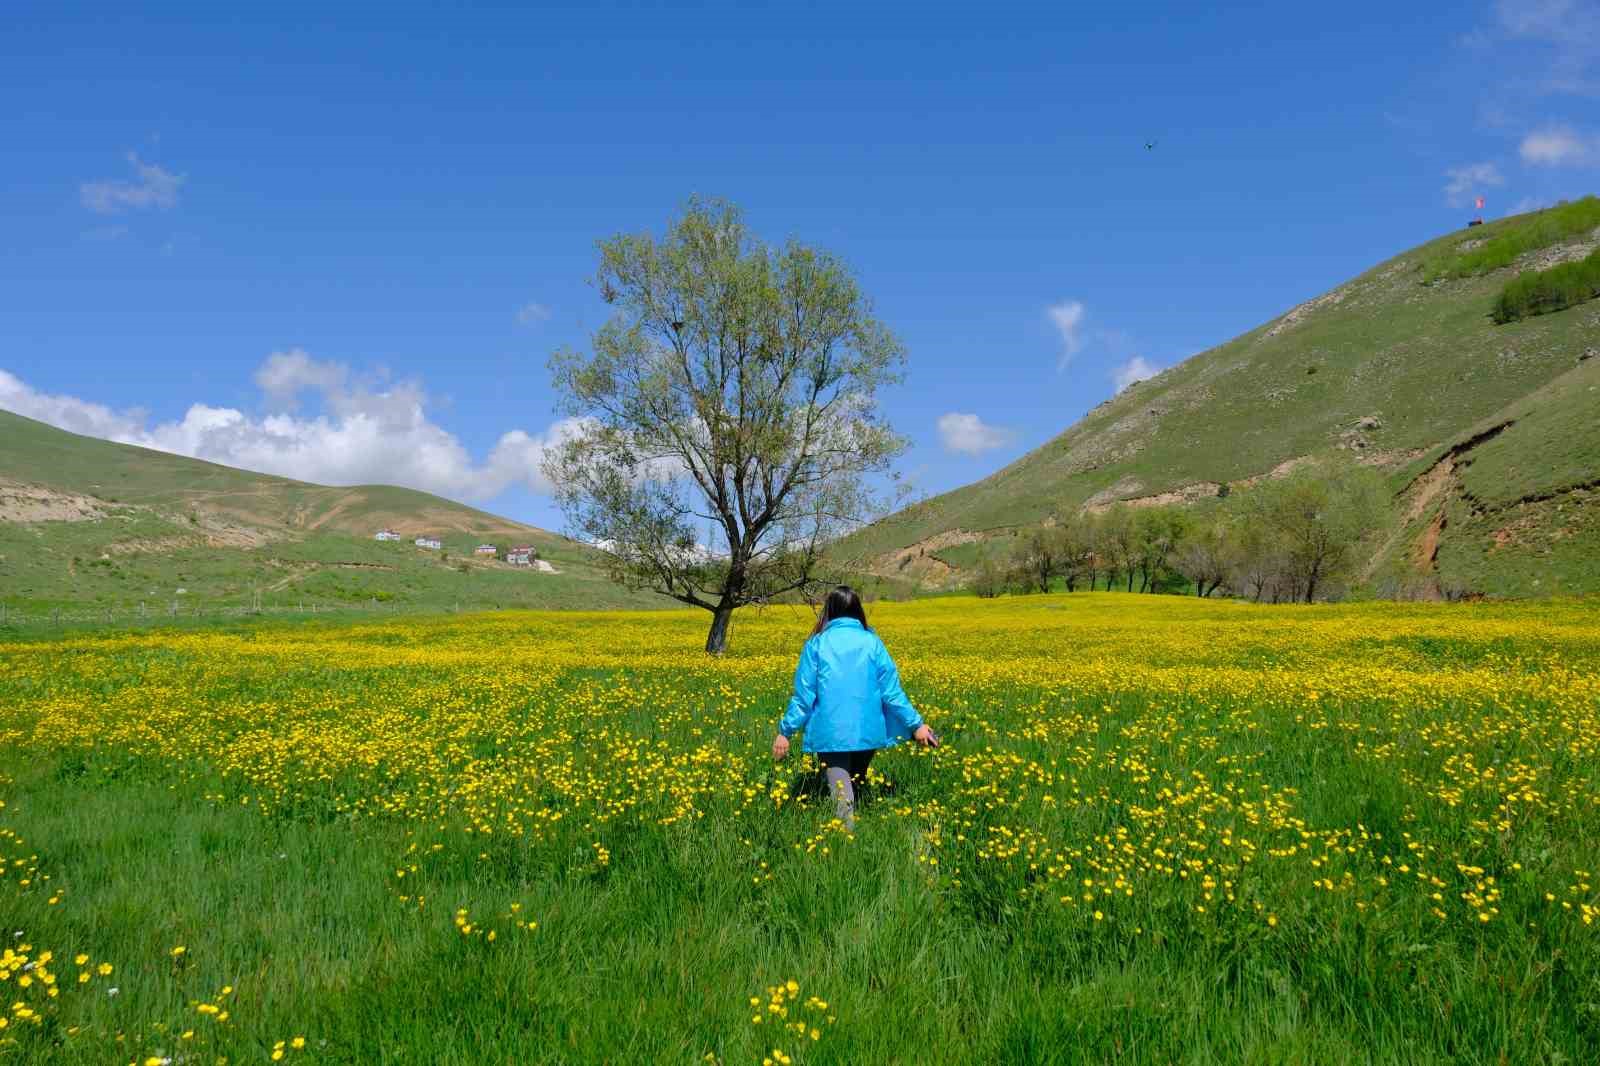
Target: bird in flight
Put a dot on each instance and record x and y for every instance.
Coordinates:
(1149, 145)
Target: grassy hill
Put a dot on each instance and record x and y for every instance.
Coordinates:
(86, 522)
(1486, 433)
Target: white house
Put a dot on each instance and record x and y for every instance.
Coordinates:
(486, 549)
(431, 543)
(386, 534)
(521, 555)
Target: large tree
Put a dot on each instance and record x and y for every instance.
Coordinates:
(1319, 517)
(725, 424)
(1206, 554)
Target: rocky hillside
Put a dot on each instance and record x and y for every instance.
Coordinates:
(89, 523)
(1487, 433)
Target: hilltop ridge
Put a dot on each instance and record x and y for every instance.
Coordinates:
(89, 522)
(1401, 368)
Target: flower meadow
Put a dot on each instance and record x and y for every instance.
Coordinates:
(1158, 830)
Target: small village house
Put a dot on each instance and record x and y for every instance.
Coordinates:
(521, 555)
(486, 549)
(431, 543)
(386, 534)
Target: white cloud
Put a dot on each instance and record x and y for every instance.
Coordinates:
(969, 435)
(1567, 22)
(532, 314)
(1068, 316)
(1133, 371)
(153, 187)
(286, 374)
(364, 435)
(1569, 33)
(67, 412)
(1469, 181)
(1556, 146)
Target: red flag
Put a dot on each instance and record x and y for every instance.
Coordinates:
(1480, 203)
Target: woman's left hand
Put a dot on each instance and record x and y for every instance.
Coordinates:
(780, 747)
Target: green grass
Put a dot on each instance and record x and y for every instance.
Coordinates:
(76, 567)
(1543, 292)
(1500, 244)
(217, 824)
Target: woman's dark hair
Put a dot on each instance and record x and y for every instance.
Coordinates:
(842, 602)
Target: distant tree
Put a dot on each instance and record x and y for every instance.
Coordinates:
(1040, 558)
(1206, 554)
(736, 386)
(1256, 557)
(1020, 578)
(1119, 537)
(1157, 531)
(1075, 544)
(1318, 516)
(989, 579)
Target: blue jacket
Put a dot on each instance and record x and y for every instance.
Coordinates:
(847, 694)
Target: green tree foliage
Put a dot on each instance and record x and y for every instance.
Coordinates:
(1157, 532)
(1538, 292)
(990, 579)
(1208, 553)
(732, 397)
(1040, 559)
(1296, 538)
(1313, 522)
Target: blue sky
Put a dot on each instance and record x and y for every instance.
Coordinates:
(340, 241)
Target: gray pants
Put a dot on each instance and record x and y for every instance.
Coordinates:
(846, 772)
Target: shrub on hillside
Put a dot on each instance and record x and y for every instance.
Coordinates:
(1538, 292)
(1502, 249)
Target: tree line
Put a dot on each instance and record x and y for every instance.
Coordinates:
(1296, 539)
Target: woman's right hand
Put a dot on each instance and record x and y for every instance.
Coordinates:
(780, 747)
(925, 736)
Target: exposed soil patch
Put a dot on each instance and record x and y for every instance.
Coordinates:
(1296, 316)
(1545, 258)
(21, 502)
(918, 560)
(219, 532)
(146, 545)
(1180, 497)
(1426, 554)
(1121, 490)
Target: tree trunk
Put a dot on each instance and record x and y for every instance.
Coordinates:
(1130, 579)
(717, 639)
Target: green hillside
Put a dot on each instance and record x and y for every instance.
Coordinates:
(1393, 369)
(88, 523)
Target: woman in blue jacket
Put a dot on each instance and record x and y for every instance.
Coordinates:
(848, 699)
